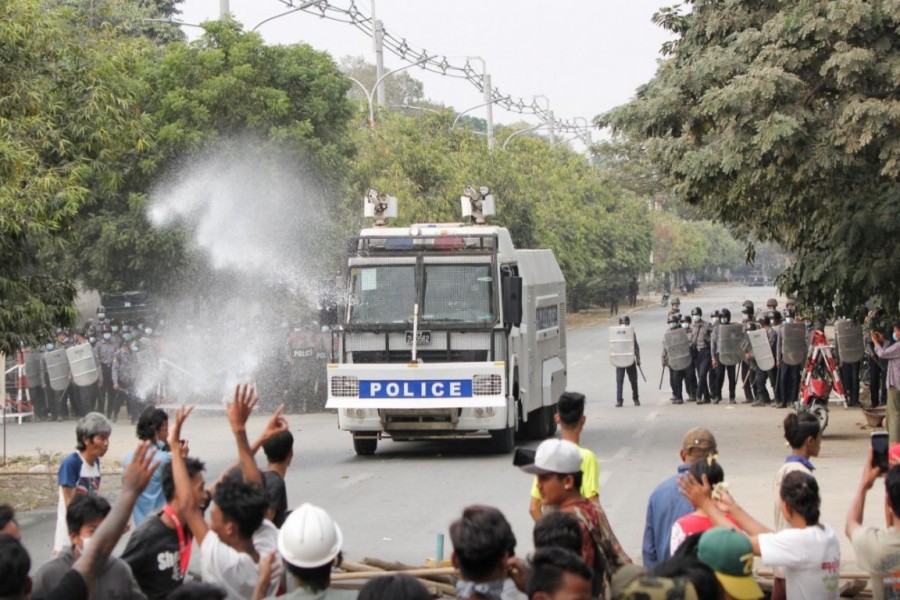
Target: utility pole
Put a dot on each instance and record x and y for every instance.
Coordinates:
(224, 8)
(550, 122)
(487, 90)
(489, 104)
(379, 59)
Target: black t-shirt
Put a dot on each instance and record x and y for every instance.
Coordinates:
(72, 586)
(276, 493)
(155, 560)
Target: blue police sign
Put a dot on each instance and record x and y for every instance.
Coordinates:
(429, 388)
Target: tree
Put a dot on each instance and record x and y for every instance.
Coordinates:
(781, 120)
(547, 197)
(71, 127)
(226, 93)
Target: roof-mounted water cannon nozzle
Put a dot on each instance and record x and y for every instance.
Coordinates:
(477, 204)
(380, 207)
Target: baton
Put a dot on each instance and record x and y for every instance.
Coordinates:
(661, 375)
(642, 373)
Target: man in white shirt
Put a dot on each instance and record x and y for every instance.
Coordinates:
(877, 550)
(237, 535)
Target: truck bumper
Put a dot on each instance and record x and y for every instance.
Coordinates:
(419, 401)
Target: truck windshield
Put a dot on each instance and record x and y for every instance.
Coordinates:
(458, 293)
(383, 294)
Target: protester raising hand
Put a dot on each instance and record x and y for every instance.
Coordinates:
(241, 407)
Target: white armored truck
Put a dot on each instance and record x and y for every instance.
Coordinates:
(448, 332)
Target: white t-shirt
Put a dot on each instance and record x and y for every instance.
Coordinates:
(235, 571)
(811, 558)
(84, 478)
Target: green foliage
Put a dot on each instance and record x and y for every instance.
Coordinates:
(781, 120)
(547, 197)
(222, 90)
(71, 128)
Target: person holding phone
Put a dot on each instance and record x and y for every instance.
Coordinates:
(877, 549)
(891, 354)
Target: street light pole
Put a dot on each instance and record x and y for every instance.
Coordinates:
(515, 133)
(548, 117)
(370, 93)
(303, 6)
(488, 103)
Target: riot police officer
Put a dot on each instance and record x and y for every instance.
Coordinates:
(690, 374)
(747, 366)
(676, 377)
(718, 369)
(675, 307)
(105, 352)
(700, 333)
(788, 375)
(849, 374)
(631, 370)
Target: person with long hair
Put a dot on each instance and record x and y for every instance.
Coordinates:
(698, 521)
(808, 551)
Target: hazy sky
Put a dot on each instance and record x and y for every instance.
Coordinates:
(587, 56)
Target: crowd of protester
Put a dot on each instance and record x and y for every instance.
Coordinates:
(699, 542)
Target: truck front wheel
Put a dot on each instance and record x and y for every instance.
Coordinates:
(503, 440)
(365, 446)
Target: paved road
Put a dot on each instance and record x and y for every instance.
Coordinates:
(393, 504)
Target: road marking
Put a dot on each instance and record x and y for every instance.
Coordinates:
(604, 478)
(623, 451)
(351, 481)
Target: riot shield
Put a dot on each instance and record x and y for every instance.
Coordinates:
(730, 336)
(621, 346)
(762, 351)
(57, 369)
(793, 343)
(849, 337)
(33, 368)
(678, 348)
(82, 365)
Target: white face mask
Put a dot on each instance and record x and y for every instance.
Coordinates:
(695, 318)
(107, 336)
(85, 542)
(715, 320)
(686, 325)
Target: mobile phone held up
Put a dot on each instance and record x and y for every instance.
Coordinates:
(880, 450)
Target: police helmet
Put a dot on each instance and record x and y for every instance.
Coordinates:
(791, 301)
(725, 314)
(675, 301)
(626, 320)
(697, 311)
(775, 315)
(771, 303)
(716, 314)
(764, 321)
(686, 319)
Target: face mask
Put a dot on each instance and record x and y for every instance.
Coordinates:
(101, 316)
(686, 325)
(715, 320)
(49, 346)
(788, 320)
(127, 337)
(92, 339)
(115, 328)
(107, 336)
(724, 320)
(148, 331)
(695, 318)
(134, 348)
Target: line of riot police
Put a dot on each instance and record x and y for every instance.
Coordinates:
(767, 349)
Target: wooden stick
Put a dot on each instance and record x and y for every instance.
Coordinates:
(351, 566)
(410, 572)
(399, 566)
(854, 575)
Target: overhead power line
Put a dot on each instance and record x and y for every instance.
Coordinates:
(347, 11)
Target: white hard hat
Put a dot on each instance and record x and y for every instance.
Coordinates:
(309, 538)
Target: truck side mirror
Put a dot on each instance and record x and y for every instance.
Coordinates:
(512, 301)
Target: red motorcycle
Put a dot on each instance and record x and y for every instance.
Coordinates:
(820, 380)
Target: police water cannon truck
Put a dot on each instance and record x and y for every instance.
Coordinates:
(448, 332)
